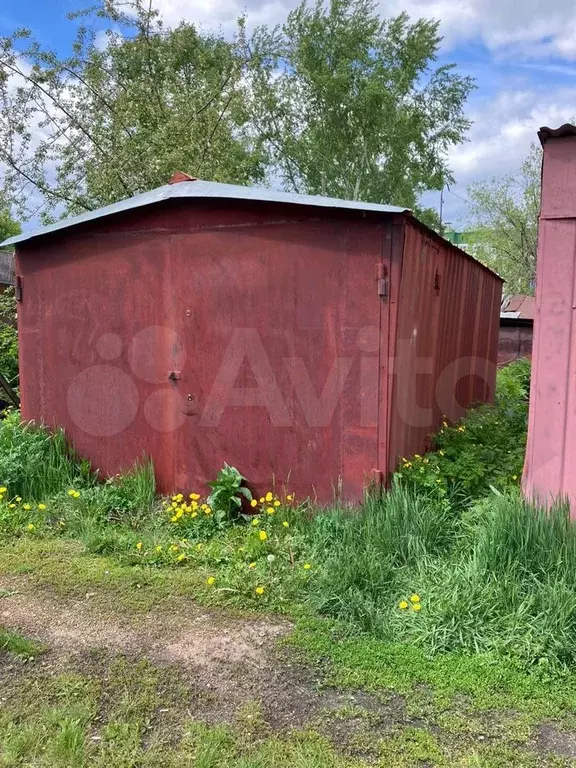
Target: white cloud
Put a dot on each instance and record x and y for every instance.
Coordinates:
(517, 27)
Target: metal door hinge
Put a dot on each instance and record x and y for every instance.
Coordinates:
(382, 280)
(18, 288)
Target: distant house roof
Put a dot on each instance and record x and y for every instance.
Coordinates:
(516, 306)
(6, 267)
(192, 188)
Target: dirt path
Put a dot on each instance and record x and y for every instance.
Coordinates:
(235, 661)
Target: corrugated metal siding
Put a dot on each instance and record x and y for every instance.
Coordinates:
(226, 296)
(447, 333)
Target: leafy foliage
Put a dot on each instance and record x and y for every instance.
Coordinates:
(504, 219)
(335, 101)
(8, 227)
(485, 450)
(110, 121)
(350, 105)
(227, 492)
(8, 337)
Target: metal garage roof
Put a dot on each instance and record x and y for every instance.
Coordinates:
(192, 188)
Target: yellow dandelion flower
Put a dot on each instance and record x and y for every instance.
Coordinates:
(415, 599)
(76, 494)
(158, 548)
(174, 548)
(514, 477)
(12, 506)
(256, 521)
(417, 607)
(71, 492)
(18, 499)
(139, 546)
(253, 503)
(277, 503)
(3, 489)
(259, 590)
(194, 496)
(30, 527)
(41, 506)
(194, 514)
(270, 510)
(252, 565)
(307, 566)
(208, 511)
(181, 557)
(403, 605)
(262, 500)
(263, 535)
(269, 496)
(204, 506)
(27, 507)
(174, 519)
(290, 497)
(286, 524)
(210, 581)
(198, 547)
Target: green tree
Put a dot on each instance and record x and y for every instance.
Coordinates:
(114, 120)
(335, 101)
(504, 219)
(8, 330)
(8, 227)
(351, 105)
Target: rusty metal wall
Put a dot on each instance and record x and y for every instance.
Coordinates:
(514, 343)
(137, 330)
(252, 334)
(446, 339)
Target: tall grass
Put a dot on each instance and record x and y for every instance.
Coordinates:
(498, 577)
(36, 463)
(368, 557)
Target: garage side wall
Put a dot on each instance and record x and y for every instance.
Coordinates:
(446, 339)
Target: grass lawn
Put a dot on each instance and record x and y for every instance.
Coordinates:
(111, 664)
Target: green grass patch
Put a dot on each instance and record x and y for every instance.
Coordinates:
(111, 711)
(486, 681)
(17, 645)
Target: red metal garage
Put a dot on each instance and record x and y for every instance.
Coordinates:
(305, 340)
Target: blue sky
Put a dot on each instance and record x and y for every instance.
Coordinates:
(522, 54)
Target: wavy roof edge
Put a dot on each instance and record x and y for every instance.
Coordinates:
(546, 133)
(204, 190)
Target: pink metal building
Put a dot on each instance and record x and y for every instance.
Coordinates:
(303, 339)
(549, 470)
